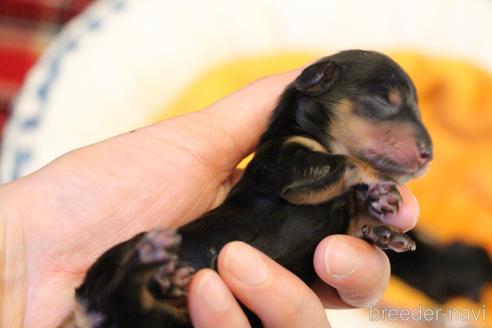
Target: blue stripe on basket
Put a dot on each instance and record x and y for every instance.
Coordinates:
(22, 155)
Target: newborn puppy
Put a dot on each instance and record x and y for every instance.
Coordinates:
(341, 138)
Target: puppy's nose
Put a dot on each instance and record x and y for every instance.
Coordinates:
(426, 155)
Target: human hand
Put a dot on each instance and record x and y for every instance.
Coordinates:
(352, 274)
(60, 219)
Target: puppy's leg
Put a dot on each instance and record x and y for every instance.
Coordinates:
(305, 173)
(138, 283)
(170, 279)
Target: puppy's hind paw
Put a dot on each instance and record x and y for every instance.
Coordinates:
(159, 246)
(171, 281)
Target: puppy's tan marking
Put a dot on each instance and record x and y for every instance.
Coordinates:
(316, 197)
(146, 299)
(343, 118)
(307, 142)
(177, 310)
(360, 172)
(79, 318)
(394, 97)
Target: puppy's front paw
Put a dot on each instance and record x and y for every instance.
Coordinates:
(383, 198)
(373, 231)
(387, 238)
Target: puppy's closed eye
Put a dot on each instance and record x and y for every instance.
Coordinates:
(374, 107)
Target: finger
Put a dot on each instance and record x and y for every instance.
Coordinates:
(278, 297)
(358, 271)
(408, 214)
(211, 304)
(222, 134)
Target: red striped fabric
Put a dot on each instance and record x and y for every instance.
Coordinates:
(26, 26)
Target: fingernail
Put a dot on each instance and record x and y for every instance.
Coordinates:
(341, 259)
(213, 293)
(244, 263)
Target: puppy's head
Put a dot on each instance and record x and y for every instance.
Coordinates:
(363, 104)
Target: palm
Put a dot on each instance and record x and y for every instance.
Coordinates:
(163, 175)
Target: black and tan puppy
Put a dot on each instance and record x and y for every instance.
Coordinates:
(342, 136)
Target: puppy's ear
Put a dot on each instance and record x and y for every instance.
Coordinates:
(317, 79)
